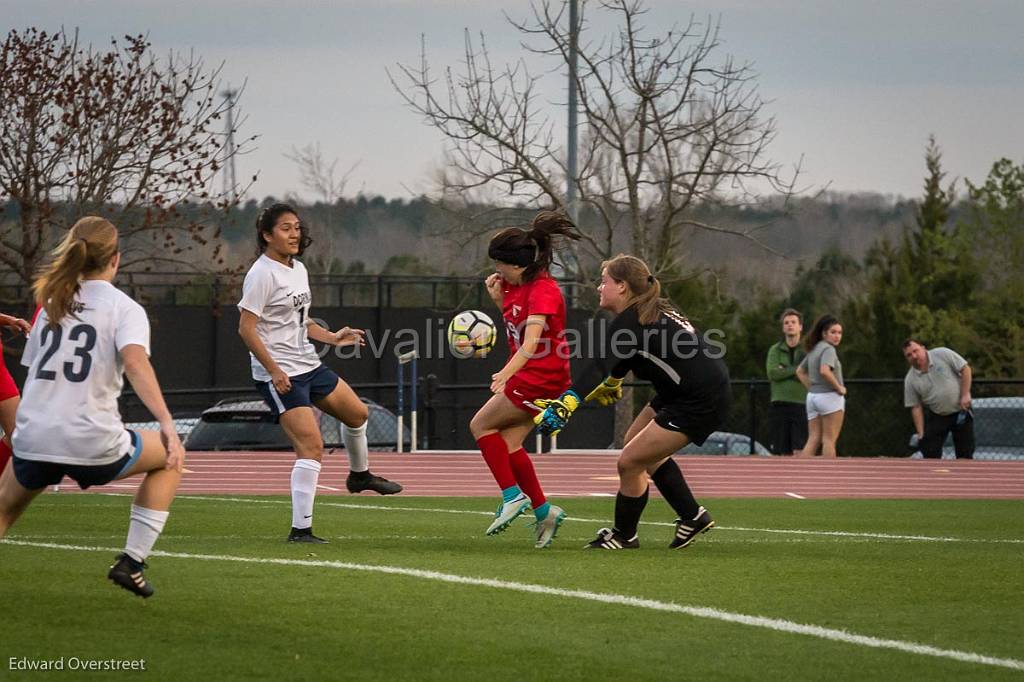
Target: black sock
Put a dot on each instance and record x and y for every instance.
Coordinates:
(627, 513)
(672, 486)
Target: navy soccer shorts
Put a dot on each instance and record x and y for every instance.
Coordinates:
(306, 388)
(34, 475)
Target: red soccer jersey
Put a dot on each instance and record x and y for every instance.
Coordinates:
(549, 368)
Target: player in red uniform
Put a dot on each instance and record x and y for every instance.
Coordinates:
(538, 366)
(9, 395)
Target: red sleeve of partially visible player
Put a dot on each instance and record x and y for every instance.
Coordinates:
(545, 297)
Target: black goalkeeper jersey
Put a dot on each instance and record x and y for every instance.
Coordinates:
(670, 353)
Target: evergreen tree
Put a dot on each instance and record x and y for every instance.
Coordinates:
(925, 287)
(993, 220)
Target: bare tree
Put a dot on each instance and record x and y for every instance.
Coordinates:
(320, 177)
(115, 132)
(669, 129)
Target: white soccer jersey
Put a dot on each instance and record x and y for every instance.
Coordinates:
(279, 296)
(68, 411)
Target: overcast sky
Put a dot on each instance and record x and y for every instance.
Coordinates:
(856, 86)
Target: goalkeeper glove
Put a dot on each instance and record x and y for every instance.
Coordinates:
(556, 412)
(608, 392)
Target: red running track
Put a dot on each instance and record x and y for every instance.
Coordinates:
(564, 475)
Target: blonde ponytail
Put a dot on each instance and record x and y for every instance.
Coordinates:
(87, 248)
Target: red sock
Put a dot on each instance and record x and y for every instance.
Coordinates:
(496, 455)
(5, 454)
(526, 477)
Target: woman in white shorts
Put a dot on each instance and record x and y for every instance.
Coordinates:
(822, 374)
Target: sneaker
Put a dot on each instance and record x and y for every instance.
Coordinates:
(127, 572)
(507, 513)
(358, 482)
(547, 528)
(687, 531)
(305, 535)
(609, 538)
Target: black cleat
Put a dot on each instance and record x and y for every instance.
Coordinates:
(127, 573)
(609, 538)
(687, 531)
(305, 535)
(364, 480)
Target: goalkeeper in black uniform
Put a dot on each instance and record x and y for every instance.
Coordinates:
(657, 343)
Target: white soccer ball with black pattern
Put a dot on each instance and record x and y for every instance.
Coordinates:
(471, 333)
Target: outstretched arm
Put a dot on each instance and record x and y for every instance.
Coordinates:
(10, 321)
(346, 336)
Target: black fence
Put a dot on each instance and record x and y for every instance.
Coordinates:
(432, 292)
(876, 422)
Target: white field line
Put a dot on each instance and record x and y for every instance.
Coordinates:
(793, 495)
(775, 624)
(825, 534)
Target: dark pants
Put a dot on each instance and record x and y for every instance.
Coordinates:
(937, 426)
(787, 424)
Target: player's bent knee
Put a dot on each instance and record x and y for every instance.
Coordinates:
(477, 427)
(152, 457)
(358, 417)
(628, 466)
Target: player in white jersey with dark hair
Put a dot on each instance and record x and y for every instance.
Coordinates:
(87, 335)
(275, 326)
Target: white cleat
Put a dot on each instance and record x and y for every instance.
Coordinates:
(547, 528)
(507, 513)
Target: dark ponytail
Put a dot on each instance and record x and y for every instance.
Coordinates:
(821, 326)
(532, 249)
(266, 220)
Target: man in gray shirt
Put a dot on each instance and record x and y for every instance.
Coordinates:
(937, 389)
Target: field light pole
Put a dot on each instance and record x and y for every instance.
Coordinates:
(403, 360)
(570, 162)
(571, 145)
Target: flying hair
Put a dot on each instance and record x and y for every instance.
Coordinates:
(532, 248)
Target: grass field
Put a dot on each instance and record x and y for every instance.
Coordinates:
(412, 589)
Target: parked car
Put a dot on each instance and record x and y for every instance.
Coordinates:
(246, 424)
(725, 443)
(182, 425)
(998, 429)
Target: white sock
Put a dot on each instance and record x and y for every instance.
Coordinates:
(144, 527)
(355, 446)
(304, 476)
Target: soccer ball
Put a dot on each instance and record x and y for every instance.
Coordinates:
(471, 333)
